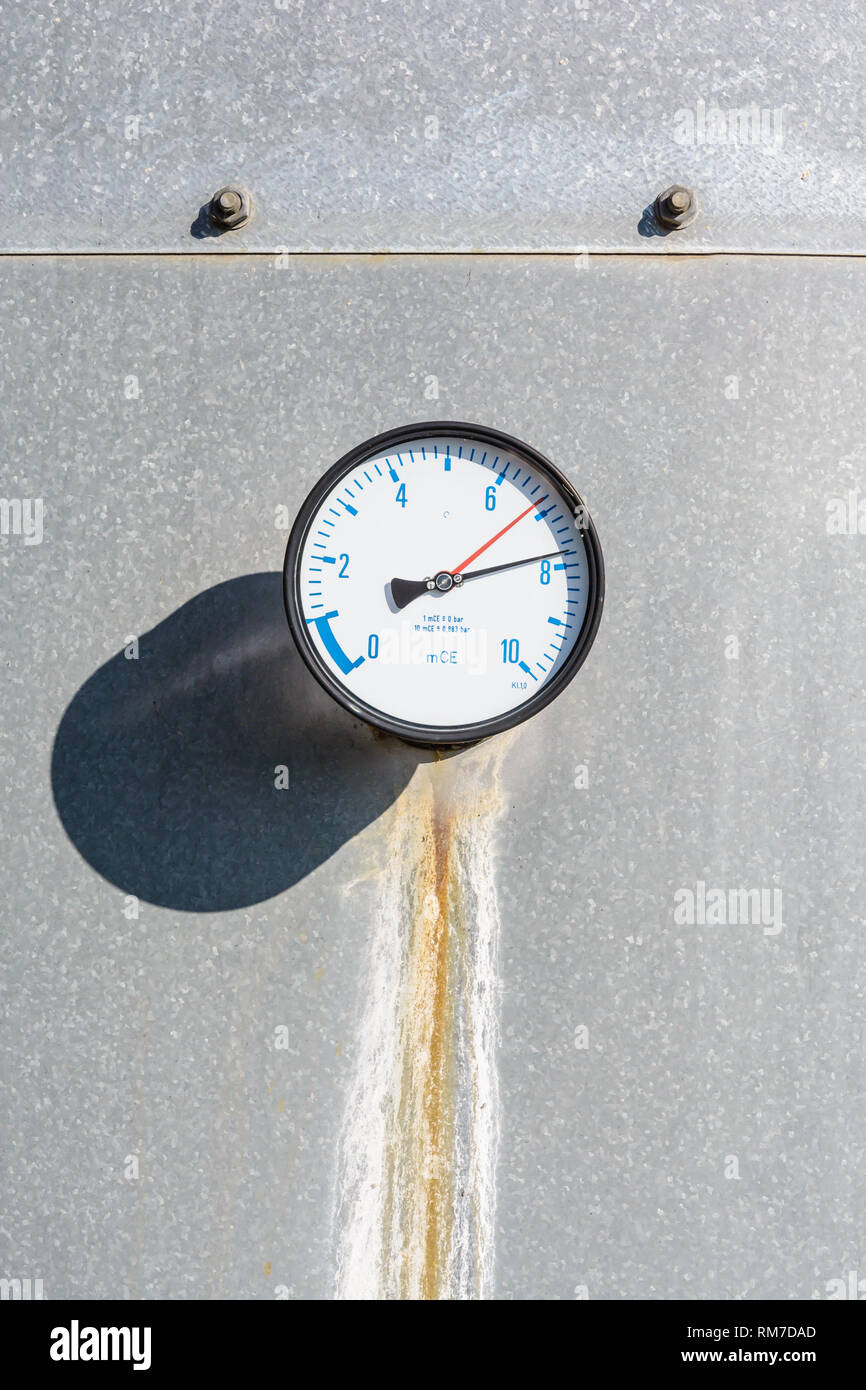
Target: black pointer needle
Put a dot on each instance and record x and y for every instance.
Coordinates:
(510, 565)
(403, 591)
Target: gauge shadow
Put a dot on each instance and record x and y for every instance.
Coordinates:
(165, 765)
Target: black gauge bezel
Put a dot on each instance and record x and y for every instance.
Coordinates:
(430, 736)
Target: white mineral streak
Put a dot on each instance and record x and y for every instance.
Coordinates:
(416, 1191)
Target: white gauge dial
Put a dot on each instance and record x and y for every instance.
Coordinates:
(442, 581)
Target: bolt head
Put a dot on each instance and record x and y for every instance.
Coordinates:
(229, 208)
(676, 207)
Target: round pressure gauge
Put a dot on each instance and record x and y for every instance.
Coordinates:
(443, 582)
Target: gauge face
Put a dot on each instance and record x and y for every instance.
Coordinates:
(444, 582)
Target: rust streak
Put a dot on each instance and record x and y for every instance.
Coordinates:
(439, 1106)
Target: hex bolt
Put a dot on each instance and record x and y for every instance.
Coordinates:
(230, 208)
(676, 207)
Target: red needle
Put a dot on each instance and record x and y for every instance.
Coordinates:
(476, 553)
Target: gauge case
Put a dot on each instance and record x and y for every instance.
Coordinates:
(426, 735)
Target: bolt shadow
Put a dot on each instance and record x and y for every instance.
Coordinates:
(649, 224)
(203, 228)
(164, 767)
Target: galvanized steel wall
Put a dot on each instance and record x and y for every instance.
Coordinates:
(229, 1004)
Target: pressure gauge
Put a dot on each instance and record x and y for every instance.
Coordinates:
(443, 582)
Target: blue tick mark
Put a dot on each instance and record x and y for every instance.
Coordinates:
(331, 645)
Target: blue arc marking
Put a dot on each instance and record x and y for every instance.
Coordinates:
(331, 645)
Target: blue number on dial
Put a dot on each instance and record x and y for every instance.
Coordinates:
(510, 650)
(401, 495)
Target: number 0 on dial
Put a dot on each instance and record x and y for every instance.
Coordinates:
(443, 582)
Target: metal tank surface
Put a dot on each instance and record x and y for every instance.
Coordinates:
(293, 1009)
